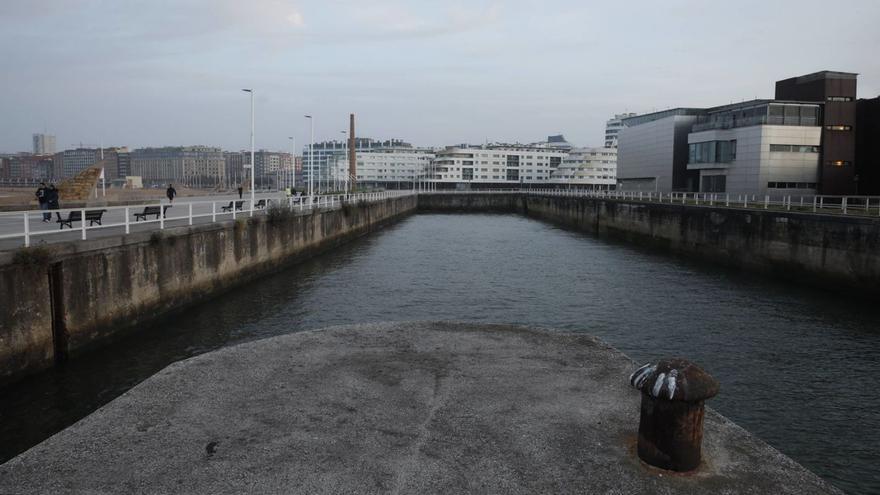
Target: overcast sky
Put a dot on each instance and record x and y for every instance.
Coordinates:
(170, 72)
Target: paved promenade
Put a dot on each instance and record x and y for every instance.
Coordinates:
(391, 408)
(177, 215)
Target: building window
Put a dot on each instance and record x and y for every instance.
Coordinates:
(838, 163)
(839, 98)
(467, 174)
(793, 148)
(712, 152)
(838, 127)
(791, 185)
(513, 174)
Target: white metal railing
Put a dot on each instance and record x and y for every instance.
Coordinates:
(846, 205)
(29, 225)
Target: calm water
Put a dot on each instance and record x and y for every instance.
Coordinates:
(794, 363)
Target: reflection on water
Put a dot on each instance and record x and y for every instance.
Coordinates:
(793, 363)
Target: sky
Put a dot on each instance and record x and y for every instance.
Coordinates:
(170, 72)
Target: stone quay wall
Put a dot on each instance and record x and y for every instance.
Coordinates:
(59, 299)
(834, 252)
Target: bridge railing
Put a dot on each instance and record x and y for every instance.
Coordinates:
(843, 205)
(29, 226)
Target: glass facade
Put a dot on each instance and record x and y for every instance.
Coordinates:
(712, 152)
(760, 113)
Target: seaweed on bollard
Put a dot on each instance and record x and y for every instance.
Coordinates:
(671, 423)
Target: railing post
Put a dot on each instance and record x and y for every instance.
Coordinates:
(843, 205)
(127, 228)
(161, 217)
(82, 222)
(27, 230)
(190, 213)
(821, 202)
(766, 201)
(214, 211)
(814, 204)
(726, 199)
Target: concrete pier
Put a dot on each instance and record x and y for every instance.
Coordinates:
(391, 408)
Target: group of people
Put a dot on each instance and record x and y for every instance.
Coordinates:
(48, 198)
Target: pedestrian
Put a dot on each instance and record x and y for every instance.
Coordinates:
(240, 190)
(170, 192)
(43, 199)
(53, 198)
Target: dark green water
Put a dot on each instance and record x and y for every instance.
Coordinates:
(793, 362)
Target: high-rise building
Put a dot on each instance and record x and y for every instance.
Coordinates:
(44, 144)
(613, 127)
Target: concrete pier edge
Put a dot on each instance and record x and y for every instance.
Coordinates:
(406, 407)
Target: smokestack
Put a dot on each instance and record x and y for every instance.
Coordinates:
(352, 160)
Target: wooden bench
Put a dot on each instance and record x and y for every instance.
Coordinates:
(238, 206)
(151, 210)
(92, 216)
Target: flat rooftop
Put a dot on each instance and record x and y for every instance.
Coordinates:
(403, 408)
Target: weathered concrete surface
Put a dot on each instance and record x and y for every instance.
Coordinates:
(399, 408)
(827, 251)
(104, 286)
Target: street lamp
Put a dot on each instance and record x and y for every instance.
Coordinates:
(291, 178)
(253, 165)
(311, 155)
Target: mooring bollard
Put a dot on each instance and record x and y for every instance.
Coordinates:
(671, 422)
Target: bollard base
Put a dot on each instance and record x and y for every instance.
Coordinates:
(671, 433)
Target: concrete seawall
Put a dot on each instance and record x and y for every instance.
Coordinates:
(828, 251)
(61, 299)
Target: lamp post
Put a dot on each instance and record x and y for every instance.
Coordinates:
(311, 155)
(292, 175)
(253, 165)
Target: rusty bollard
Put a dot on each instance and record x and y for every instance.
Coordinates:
(671, 422)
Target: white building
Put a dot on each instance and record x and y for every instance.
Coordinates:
(388, 168)
(595, 168)
(44, 144)
(613, 127)
(499, 164)
(757, 147)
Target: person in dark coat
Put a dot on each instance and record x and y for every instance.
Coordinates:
(240, 190)
(53, 197)
(42, 195)
(170, 192)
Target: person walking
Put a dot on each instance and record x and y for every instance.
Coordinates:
(240, 191)
(42, 195)
(170, 192)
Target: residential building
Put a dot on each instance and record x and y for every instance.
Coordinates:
(495, 165)
(652, 152)
(592, 168)
(320, 164)
(44, 144)
(613, 127)
(836, 91)
(26, 166)
(193, 166)
(69, 163)
(233, 165)
(387, 168)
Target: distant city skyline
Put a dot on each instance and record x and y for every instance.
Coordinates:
(142, 74)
